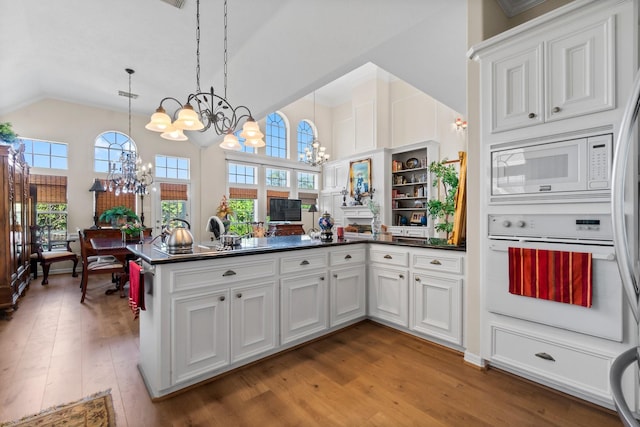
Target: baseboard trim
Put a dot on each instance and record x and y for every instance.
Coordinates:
(475, 361)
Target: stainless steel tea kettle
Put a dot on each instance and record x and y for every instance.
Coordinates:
(180, 239)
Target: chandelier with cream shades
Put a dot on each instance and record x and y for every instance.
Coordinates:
(207, 110)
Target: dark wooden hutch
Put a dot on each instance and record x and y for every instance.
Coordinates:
(14, 227)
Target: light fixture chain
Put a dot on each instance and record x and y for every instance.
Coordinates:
(225, 49)
(198, 45)
(130, 96)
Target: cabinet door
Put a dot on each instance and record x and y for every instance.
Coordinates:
(389, 295)
(303, 305)
(437, 307)
(581, 74)
(516, 94)
(253, 320)
(200, 331)
(347, 294)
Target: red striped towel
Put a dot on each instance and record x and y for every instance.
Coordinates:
(551, 275)
(136, 289)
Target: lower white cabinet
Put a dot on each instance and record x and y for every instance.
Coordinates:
(437, 307)
(303, 305)
(200, 330)
(347, 289)
(253, 320)
(389, 294)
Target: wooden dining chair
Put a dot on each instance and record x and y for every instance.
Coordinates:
(92, 264)
(46, 251)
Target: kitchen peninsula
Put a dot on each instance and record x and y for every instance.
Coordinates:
(213, 310)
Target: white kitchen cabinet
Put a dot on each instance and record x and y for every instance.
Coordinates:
(335, 175)
(200, 332)
(347, 285)
(389, 294)
(253, 320)
(567, 71)
(437, 307)
(303, 305)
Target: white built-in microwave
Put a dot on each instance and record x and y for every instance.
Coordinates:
(561, 171)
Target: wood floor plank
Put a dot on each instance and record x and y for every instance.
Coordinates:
(365, 375)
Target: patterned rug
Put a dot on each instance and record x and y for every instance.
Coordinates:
(93, 411)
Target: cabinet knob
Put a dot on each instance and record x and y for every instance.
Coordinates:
(545, 356)
(304, 262)
(347, 256)
(532, 115)
(229, 273)
(239, 296)
(401, 276)
(335, 276)
(321, 277)
(388, 257)
(556, 109)
(417, 279)
(435, 262)
(222, 298)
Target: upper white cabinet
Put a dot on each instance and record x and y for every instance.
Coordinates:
(566, 71)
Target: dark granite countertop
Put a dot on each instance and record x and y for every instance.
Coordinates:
(154, 254)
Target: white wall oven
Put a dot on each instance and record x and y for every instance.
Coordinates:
(563, 170)
(584, 233)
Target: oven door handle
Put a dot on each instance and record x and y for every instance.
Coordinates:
(609, 256)
(626, 264)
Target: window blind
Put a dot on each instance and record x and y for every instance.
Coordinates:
(50, 188)
(173, 191)
(108, 199)
(243, 193)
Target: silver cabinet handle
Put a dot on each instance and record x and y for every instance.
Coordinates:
(229, 273)
(304, 262)
(239, 296)
(388, 257)
(545, 356)
(401, 276)
(347, 256)
(222, 298)
(556, 109)
(435, 262)
(532, 115)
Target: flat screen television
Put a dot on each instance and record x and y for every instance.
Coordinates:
(285, 209)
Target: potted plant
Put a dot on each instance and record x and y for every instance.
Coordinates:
(118, 215)
(443, 210)
(7, 135)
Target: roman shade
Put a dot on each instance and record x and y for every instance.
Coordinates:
(173, 191)
(243, 193)
(50, 188)
(108, 200)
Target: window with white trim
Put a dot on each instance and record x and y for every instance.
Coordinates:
(276, 136)
(108, 147)
(277, 177)
(306, 135)
(172, 167)
(44, 154)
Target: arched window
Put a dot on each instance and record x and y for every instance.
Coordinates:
(306, 135)
(276, 136)
(108, 147)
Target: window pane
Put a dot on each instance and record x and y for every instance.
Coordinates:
(275, 136)
(39, 153)
(307, 180)
(243, 215)
(277, 177)
(109, 146)
(172, 167)
(59, 150)
(241, 174)
(59, 163)
(305, 138)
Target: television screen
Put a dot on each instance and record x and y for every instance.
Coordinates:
(285, 209)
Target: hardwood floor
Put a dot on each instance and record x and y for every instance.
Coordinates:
(57, 350)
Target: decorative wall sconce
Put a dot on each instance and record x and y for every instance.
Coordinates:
(460, 124)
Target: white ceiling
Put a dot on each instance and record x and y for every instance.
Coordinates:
(279, 50)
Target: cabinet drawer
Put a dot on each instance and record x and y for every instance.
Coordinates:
(389, 256)
(442, 261)
(196, 277)
(557, 362)
(354, 255)
(303, 261)
(416, 232)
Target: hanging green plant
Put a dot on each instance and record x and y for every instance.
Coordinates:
(443, 209)
(7, 134)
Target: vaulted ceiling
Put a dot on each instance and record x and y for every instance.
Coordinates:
(279, 50)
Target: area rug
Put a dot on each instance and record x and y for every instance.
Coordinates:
(94, 411)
